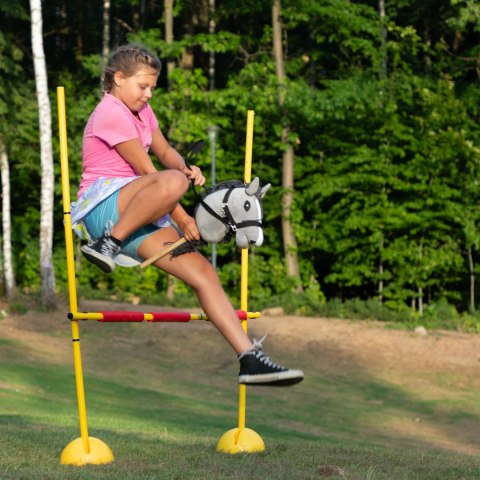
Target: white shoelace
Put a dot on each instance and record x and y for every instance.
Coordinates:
(257, 351)
(258, 344)
(109, 247)
(266, 360)
(108, 228)
(257, 347)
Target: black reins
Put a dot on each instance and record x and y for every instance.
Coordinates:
(228, 219)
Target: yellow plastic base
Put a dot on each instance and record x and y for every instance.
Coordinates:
(74, 453)
(240, 440)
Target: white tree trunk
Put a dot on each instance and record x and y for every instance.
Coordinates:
(47, 274)
(106, 30)
(288, 161)
(6, 223)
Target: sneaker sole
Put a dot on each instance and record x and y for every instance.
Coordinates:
(98, 259)
(279, 379)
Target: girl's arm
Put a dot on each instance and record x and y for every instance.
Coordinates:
(134, 153)
(170, 158)
(186, 223)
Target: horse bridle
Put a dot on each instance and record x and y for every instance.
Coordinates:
(228, 219)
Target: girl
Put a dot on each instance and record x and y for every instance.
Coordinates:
(125, 204)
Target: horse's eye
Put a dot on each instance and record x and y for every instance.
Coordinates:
(247, 205)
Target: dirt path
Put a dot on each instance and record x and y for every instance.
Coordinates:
(364, 344)
(371, 343)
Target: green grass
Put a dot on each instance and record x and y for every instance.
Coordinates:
(161, 397)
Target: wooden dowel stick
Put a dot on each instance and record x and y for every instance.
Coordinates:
(164, 252)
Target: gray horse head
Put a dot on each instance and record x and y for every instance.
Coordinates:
(232, 208)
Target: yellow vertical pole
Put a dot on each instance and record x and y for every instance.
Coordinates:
(242, 390)
(72, 291)
(249, 146)
(85, 449)
(242, 439)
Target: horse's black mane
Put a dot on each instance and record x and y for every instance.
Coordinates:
(226, 184)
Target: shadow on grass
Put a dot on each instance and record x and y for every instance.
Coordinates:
(348, 418)
(31, 450)
(321, 409)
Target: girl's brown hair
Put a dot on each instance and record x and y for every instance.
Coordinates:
(128, 59)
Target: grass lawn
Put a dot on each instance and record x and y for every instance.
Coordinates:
(162, 395)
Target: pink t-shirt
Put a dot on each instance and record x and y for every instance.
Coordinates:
(112, 123)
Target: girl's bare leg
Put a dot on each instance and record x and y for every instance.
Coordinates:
(196, 271)
(148, 198)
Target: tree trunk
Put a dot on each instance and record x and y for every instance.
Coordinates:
(138, 17)
(80, 20)
(380, 272)
(189, 27)
(170, 287)
(168, 5)
(419, 288)
(471, 272)
(106, 31)
(288, 161)
(420, 300)
(47, 273)
(211, 55)
(6, 224)
(383, 39)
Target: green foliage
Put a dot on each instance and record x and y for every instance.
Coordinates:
(144, 282)
(440, 314)
(17, 308)
(358, 309)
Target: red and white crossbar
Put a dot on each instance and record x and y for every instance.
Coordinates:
(128, 316)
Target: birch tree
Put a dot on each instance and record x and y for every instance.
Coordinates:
(6, 223)
(106, 31)
(288, 160)
(47, 274)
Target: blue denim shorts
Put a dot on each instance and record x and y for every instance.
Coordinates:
(105, 215)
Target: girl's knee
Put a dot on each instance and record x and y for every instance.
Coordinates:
(171, 182)
(177, 181)
(208, 277)
(202, 277)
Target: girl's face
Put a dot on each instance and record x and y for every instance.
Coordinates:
(135, 91)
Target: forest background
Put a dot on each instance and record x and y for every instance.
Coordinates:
(366, 125)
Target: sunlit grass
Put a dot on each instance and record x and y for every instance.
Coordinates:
(161, 403)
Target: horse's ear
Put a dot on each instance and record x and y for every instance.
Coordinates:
(253, 187)
(264, 190)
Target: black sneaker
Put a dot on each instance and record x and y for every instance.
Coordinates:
(257, 369)
(101, 252)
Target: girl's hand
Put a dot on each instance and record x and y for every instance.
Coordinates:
(189, 228)
(195, 174)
